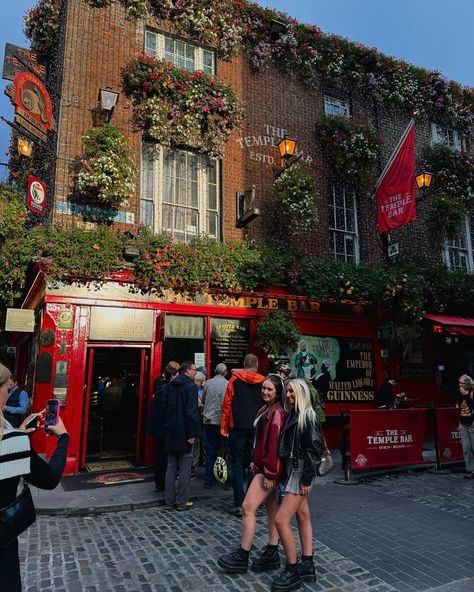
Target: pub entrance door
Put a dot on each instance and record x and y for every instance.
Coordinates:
(115, 403)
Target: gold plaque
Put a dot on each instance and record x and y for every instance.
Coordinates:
(20, 320)
(120, 324)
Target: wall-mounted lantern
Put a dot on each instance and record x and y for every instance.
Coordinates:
(24, 147)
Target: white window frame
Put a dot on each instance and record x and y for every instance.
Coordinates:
(158, 50)
(335, 106)
(455, 248)
(447, 136)
(348, 195)
(152, 192)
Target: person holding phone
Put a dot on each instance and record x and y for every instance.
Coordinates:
(27, 464)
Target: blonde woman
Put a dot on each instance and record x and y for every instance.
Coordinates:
(17, 460)
(301, 448)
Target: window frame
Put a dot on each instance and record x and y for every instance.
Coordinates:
(199, 51)
(447, 137)
(331, 99)
(157, 199)
(452, 248)
(334, 187)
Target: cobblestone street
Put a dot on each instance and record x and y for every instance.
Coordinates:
(409, 532)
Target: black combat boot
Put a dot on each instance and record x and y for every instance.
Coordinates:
(268, 559)
(306, 568)
(289, 579)
(235, 562)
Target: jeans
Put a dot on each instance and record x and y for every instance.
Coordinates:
(178, 462)
(241, 444)
(212, 442)
(467, 441)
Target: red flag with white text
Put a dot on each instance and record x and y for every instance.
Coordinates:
(396, 186)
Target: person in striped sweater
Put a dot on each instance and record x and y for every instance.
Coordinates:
(17, 460)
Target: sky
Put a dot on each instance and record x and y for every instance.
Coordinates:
(434, 34)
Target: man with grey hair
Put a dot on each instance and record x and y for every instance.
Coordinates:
(213, 396)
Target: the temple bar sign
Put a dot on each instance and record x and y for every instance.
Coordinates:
(20, 320)
(120, 324)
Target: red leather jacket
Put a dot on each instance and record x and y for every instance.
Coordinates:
(265, 457)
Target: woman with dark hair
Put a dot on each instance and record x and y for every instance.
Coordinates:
(17, 460)
(466, 422)
(301, 448)
(267, 468)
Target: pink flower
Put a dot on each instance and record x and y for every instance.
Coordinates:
(50, 245)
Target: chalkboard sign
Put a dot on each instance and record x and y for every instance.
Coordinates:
(229, 342)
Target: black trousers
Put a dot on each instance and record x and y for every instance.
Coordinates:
(161, 462)
(10, 568)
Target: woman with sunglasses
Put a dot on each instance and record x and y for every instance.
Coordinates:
(301, 448)
(267, 468)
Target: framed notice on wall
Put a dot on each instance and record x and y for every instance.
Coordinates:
(229, 342)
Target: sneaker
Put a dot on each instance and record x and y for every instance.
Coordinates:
(289, 579)
(184, 506)
(236, 511)
(235, 562)
(306, 569)
(169, 506)
(268, 559)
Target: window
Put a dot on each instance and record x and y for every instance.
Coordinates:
(446, 136)
(343, 239)
(179, 192)
(180, 53)
(334, 106)
(458, 254)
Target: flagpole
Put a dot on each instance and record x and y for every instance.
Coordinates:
(394, 154)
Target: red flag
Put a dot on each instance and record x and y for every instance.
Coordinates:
(396, 186)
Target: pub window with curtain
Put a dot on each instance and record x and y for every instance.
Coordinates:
(458, 254)
(343, 227)
(180, 53)
(179, 193)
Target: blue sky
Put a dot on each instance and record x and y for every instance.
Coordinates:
(435, 34)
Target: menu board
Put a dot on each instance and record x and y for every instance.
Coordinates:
(229, 342)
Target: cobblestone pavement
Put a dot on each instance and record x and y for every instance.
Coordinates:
(385, 535)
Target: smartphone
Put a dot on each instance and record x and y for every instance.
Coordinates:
(52, 413)
(33, 423)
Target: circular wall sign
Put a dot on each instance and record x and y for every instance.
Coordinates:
(47, 337)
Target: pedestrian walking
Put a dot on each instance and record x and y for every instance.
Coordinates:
(199, 379)
(301, 448)
(242, 400)
(17, 460)
(212, 399)
(466, 422)
(267, 468)
(156, 423)
(182, 426)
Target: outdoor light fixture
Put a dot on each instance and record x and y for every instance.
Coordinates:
(287, 148)
(423, 179)
(24, 147)
(108, 99)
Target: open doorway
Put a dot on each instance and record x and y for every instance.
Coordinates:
(114, 410)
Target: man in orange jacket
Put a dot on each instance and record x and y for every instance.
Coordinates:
(242, 400)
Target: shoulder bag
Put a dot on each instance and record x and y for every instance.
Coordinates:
(16, 517)
(327, 463)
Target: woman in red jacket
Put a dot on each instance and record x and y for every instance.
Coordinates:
(267, 467)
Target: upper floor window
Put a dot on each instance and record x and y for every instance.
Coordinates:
(179, 192)
(335, 106)
(458, 253)
(180, 53)
(447, 137)
(343, 228)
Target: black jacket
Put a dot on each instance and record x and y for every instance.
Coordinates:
(183, 420)
(156, 422)
(307, 445)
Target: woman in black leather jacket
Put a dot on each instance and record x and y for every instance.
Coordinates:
(19, 462)
(301, 448)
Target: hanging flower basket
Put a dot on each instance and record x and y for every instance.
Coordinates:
(295, 190)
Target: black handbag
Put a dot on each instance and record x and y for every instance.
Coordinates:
(16, 517)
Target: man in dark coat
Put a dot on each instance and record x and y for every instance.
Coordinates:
(182, 426)
(156, 422)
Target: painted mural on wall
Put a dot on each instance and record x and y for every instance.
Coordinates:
(342, 368)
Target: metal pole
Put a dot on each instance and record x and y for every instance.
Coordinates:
(343, 448)
(435, 436)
